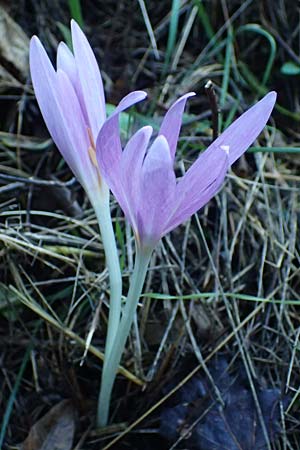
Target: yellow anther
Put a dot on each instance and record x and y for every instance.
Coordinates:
(92, 154)
(91, 138)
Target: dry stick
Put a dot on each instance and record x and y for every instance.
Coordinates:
(211, 94)
(38, 181)
(186, 379)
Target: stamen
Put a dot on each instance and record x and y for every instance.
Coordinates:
(92, 154)
(92, 148)
(91, 138)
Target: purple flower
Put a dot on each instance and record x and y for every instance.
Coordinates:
(143, 181)
(72, 103)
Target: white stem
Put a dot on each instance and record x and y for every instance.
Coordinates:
(102, 211)
(112, 363)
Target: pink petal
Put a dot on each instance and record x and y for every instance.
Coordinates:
(158, 185)
(65, 61)
(201, 182)
(77, 156)
(203, 179)
(170, 127)
(109, 136)
(90, 79)
(44, 79)
(243, 131)
(44, 82)
(130, 169)
(109, 148)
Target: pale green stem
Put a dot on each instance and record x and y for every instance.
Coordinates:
(112, 363)
(102, 211)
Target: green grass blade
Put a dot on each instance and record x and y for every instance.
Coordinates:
(13, 395)
(76, 12)
(226, 74)
(173, 28)
(204, 19)
(207, 295)
(255, 28)
(149, 27)
(254, 83)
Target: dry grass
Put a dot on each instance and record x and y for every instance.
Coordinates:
(225, 283)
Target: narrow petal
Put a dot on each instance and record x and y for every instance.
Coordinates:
(90, 79)
(109, 136)
(201, 182)
(77, 156)
(203, 179)
(44, 80)
(134, 152)
(129, 100)
(243, 131)
(158, 185)
(171, 124)
(109, 149)
(65, 61)
(131, 166)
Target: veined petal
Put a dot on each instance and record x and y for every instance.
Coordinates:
(108, 139)
(90, 79)
(134, 152)
(109, 148)
(171, 124)
(157, 192)
(77, 156)
(131, 166)
(129, 100)
(198, 186)
(65, 61)
(45, 83)
(243, 131)
(206, 175)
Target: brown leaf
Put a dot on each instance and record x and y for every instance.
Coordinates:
(54, 431)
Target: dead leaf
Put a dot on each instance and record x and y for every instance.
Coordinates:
(197, 418)
(14, 45)
(54, 431)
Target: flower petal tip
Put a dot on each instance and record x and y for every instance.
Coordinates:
(35, 43)
(161, 139)
(34, 38)
(74, 25)
(273, 94)
(147, 130)
(141, 94)
(129, 100)
(271, 97)
(76, 31)
(268, 101)
(184, 97)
